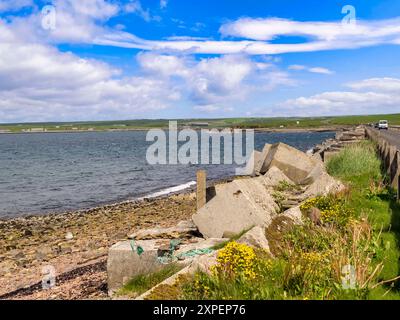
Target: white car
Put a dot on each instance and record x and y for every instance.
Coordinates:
(383, 125)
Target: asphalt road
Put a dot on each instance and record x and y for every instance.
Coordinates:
(391, 135)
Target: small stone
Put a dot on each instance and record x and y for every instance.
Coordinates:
(27, 233)
(64, 248)
(69, 236)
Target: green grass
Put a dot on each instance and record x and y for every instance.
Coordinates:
(356, 164)
(142, 283)
(361, 169)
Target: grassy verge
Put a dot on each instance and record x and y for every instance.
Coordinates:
(370, 196)
(351, 254)
(142, 283)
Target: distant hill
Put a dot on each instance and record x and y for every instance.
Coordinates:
(291, 122)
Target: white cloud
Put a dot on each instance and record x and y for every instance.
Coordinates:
(211, 108)
(215, 83)
(369, 95)
(84, 22)
(38, 83)
(298, 67)
(320, 70)
(253, 37)
(271, 28)
(135, 6)
(380, 84)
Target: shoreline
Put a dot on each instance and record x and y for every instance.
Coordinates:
(281, 130)
(30, 242)
(107, 205)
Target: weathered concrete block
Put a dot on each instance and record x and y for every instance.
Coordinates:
(255, 158)
(396, 171)
(184, 229)
(123, 263)
(237, 206)
(314, 174)
(391, 161)
(260, 167)
(295, 214)
(322, 186)
(273, 177)
(296, 165)
(255, 238)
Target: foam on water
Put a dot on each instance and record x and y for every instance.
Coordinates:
(170, 190)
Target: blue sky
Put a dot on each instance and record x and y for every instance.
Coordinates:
(99, 60)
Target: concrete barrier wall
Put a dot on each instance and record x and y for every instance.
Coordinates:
(390, 156)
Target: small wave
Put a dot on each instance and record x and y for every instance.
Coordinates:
(170, 190)
(310, 151)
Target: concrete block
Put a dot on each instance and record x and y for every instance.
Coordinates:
(273, 177)
(296, 165)
(237, 206)
(323, 185)
(255, 158)
(260, 167)
(294, 214)
(391, 162)
(123, 263)
(184, 229)
(255, 238)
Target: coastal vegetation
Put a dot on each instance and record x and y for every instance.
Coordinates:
(351, 253)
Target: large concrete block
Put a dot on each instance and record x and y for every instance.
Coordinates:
(255, 158)
(260, 167)
(123, 263)
(273, 177)
(315, 173)
(237, 206)
(322, 186)
(184, 229)
(296, 165)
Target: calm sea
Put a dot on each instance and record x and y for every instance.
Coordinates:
(57, 172)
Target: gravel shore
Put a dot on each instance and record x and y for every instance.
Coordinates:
(30, 243)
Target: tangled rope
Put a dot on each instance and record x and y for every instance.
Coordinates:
(171, 256)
